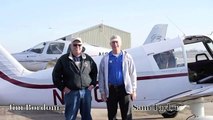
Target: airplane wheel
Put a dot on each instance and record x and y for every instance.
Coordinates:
(170, 114)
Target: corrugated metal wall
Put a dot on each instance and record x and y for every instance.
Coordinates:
(100, 35)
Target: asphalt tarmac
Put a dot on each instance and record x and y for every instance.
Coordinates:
(98, 114)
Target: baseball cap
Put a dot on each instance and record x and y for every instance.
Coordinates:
(115, 38)
(77, 39)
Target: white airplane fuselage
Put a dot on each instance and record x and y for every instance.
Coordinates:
(154, 84)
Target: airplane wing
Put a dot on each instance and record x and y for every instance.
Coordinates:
(190, 95)
(158, 33)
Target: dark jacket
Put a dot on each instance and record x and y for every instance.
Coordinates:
(67, 74)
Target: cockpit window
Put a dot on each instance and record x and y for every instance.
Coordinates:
(55, 48)
(38, 48)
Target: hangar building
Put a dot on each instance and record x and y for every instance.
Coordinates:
(100, 34)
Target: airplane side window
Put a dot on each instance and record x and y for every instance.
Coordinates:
(169, 59)
(38, 48)
(161, 60)
(55, 48)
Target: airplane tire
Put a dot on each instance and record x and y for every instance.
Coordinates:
(170, 114)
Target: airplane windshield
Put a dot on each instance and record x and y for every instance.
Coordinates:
(197, 48)
(38, 48)
(55, 48)
(210, 46)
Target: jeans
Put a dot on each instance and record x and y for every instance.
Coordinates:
(76, 99)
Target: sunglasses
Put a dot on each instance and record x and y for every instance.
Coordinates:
(75, 45)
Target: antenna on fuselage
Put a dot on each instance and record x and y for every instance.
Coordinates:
(176, 26)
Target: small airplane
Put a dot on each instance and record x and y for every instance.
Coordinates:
(45, 54)
(169, 77)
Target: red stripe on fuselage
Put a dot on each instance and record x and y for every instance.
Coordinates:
(162, 76)
(22, 84)
(36, 86)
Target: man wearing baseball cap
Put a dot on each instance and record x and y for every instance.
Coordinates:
(117, 80)
(75, 74)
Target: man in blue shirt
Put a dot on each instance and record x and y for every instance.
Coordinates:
(117, 80)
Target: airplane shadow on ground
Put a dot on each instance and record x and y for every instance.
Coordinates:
(151, 118)
(155, 118)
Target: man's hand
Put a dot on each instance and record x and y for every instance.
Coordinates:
(66, 90)
(90, 87)
(133, 95)
(103, 97)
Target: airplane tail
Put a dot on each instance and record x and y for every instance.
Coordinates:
(158, 33)
(9, 65)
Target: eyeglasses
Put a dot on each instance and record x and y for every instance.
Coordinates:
(75, 45)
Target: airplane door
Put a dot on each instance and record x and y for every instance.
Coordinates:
(168, 67)
(200, 62)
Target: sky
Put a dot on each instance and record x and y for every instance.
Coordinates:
(25, 23)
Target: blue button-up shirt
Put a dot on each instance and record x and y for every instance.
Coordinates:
(115, 76)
